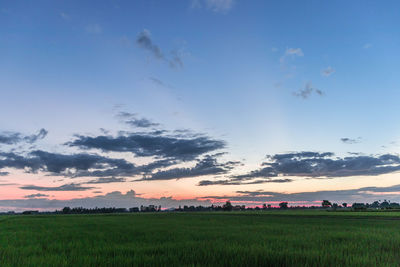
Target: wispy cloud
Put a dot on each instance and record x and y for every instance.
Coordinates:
(64, 16)
(347, 140)
(291, 53)
(38, 195)
(218, 6)
(367, 46)
(294, 51)
(94, 29)
(307, 90)
(133, 120)
(65, 187)
(144, 41)
(328, 71)
(106, 180)
(11, 138)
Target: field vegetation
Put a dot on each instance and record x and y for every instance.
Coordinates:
(276, 238)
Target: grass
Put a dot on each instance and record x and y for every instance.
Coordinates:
(305, 238)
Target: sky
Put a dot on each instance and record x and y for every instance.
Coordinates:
(129, 103)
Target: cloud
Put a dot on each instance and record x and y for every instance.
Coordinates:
(141, 123)
(206, 166)
(73, 165)
(38, 195)
(291, 52)
(307, 91)
(364, 194)
(158, 82)
(176, 59)
(8, 184)
(315, 165)
(162, 149)
(4, 173)
(367, 46)
(151, 145)
(145, 42)
(106, 180)
(113, 199)
(351, 141)
(218, 6)
(328, 71)
(64, 16)
(65, 187)
(240, 182)
(12, 138)
(294, 51)
(35, 137)
(258, 197)
(94, 29)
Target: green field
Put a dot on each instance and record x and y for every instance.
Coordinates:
(289, 238)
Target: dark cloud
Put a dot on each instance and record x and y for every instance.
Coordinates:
(4, 173)
(11, 138)
(151, 145)
(241, 182)
(126, 115)
(307, 91)
(315, 165)
(350, 140)
(106, 180)
(38, 195)
(65, 187)
(35, 137)
(142, 123)
(74, 165)
(365, 194)
(132, 120)
(145, 42)
(207, 166)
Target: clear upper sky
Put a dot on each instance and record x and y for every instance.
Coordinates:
(246, 78)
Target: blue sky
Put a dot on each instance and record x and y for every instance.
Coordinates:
(266, 77)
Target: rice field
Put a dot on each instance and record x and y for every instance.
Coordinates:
(287, 238)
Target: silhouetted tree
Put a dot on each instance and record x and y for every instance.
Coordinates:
(326, 204)
(283, 205)
(385, 204)
(66, 210)
(358, 206)
(227, 206)
(344, 205)
(375, 204)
